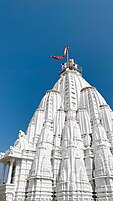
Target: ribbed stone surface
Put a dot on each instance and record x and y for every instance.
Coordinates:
(66, 153)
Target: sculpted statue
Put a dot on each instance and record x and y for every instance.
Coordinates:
(21, 142)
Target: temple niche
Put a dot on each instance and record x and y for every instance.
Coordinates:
(66, 153)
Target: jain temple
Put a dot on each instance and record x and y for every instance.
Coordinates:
(66, 153)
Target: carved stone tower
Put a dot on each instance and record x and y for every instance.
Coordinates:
(67, 151)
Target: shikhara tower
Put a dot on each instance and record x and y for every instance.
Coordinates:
(67, 151)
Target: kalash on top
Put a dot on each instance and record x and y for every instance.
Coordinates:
(71, 65)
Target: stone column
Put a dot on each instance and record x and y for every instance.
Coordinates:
(10, 170)
(3, 173)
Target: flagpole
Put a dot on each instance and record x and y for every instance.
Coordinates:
(67, 56)
(67, 53)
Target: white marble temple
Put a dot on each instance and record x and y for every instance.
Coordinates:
(66, 153)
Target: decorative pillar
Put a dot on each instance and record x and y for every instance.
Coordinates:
(3, 173)
(10, 170)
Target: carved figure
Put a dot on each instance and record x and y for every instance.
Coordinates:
(21, 142)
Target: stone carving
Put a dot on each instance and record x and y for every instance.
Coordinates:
(21, 142)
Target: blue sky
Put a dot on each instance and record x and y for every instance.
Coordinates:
(31, 31)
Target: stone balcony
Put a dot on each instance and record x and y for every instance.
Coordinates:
(6, 192)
